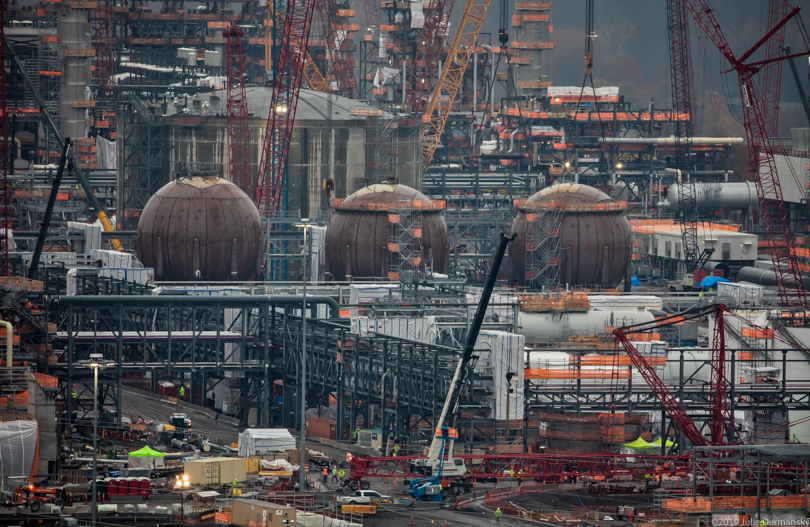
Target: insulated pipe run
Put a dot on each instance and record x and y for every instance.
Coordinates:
(671, 140)
(9, 345)
(512, 141)
(234, 300)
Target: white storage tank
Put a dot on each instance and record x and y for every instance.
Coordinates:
(213, 59)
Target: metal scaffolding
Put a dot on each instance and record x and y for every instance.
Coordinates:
(543, 246)
(405, 241)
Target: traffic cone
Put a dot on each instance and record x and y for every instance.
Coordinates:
(411, 519)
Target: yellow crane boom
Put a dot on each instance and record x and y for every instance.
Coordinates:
(449, 83)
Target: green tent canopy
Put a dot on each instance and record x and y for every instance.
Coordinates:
(147, 452)
(670, 444)
(639, 444)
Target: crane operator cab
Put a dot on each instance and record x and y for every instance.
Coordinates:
(433, 465)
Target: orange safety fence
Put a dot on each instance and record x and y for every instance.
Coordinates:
(651, 226)
(571, 207)
(223, 517)
(574, 373)
(609, 360)
(46, 381)
(755, 333)
(19, 400)
(429, 205)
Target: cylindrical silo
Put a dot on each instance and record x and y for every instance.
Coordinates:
(200, 228)
(357, 239)
(594, 236)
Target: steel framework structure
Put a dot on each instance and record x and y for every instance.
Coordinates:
(447, 88)
(237, 111)
(288, 73)
(145, 160)
(369, 50)
(758, 123)
(428, 56)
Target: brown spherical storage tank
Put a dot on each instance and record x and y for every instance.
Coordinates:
(200, 228)
(357, 236)
(595, 242)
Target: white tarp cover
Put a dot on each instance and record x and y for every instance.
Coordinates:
(742, 294)
(92, 235)
(625, 302)
(310, 519)
(18, 447)
(502, 352)
(419, 329)
(369, 294)
(317, 253)
(259, 441)
(604, 91)
(417, 15)
(105, 153)
(115, 258)
(277, 464)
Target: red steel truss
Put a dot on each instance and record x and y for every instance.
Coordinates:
(758, 123)
(338, 47)
(540, 467)
(237, 112)
(428, 56)
(287, 74)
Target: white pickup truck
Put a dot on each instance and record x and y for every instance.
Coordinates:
(364, 497)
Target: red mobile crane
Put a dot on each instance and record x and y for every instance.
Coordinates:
(236, 110)
(287, 74)
(758, 123)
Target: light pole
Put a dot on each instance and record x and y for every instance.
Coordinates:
(302, 477)
(182, 483)
(96, 362)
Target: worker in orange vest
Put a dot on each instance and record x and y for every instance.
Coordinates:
(325, 474)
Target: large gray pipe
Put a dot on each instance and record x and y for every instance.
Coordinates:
(671, 140)
(710, 267)
(715, 196)
(764, 277)
(231, 300)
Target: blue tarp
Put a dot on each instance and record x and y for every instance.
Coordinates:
(634, 281)
(711, 281)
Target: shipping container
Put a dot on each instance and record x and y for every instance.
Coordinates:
(243, 512)
(322, 427)
(216, 470)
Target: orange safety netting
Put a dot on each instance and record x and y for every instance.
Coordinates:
(648, 226)
(574, 373)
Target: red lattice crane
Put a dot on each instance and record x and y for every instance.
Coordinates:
(103, 43)
(287, 74)
(338, 47)
(772, 72)
(680, 57)
(428, 56)
(758, 123)
(237, 112)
